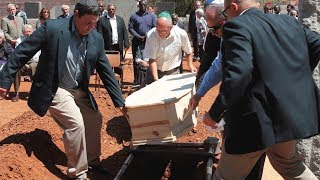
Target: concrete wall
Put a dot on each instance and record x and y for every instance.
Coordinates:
(309, 149)
(45, 3)
(124, 7)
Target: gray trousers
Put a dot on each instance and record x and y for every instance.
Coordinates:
(282, 157)
(81, 125)
(30, 71)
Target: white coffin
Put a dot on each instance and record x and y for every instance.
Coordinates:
(159, 112)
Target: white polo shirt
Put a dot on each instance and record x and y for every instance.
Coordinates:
(167, 52)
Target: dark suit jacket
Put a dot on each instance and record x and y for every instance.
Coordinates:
(104, 28)
(267, 87)
(53, 39)
(192, 27)
(211, 49)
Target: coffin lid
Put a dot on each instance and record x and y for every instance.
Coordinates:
(167, 89)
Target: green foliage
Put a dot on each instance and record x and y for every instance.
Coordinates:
(182, 8)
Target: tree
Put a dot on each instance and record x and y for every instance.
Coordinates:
(183, 7)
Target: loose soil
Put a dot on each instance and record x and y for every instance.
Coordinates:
(31, 147)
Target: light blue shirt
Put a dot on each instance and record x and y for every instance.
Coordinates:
(213, 76)
(74, 65)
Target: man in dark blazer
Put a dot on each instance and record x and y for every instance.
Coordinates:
(70, 52)
(110, 23)
(267, 96)
(192, 29)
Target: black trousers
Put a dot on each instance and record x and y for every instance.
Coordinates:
(136, 45)
(195, 45)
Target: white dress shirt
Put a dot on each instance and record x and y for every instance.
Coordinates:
(113, 22)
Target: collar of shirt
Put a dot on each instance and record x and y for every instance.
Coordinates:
(114, 17)
(243, 11)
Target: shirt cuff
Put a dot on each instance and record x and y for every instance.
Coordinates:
(217, 110)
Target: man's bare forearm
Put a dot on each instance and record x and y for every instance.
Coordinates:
(153, 69)
(190, 64)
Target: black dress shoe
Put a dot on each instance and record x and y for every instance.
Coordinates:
(98, 168)
(15, 99)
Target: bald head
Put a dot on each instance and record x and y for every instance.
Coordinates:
(241, 2)
(215, 19)
(164, 26)
(164, 21)
(214, 12)
(235, 8)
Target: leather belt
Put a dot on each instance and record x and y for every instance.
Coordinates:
(169, 71)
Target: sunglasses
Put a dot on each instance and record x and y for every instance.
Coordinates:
(216, 27)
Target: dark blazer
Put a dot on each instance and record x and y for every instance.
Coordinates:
(104, 28)
(53, 39)
(192, 27)
(267, 89)
(211, 49)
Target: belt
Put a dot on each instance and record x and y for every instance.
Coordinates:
(169, 71)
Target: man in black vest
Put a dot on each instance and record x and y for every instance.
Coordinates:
(192, 29)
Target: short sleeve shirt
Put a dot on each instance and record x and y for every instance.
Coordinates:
(167, 52)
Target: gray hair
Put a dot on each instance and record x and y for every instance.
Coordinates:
(27, 26)
(218, 8)
(65, 6)
(112, 5)
(199, 11)
(11, 5)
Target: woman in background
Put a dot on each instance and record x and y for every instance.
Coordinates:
(43, 16)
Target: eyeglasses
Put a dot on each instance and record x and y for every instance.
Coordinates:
(216, 27)
(111, 9)
(224, 12)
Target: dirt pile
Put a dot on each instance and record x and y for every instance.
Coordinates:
(31, 146)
